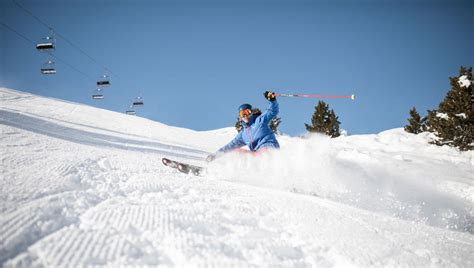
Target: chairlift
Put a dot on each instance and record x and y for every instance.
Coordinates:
(104, 81)
(130, 110)
(98, 95)
(47, 44)
(138, 101)
(48, 68)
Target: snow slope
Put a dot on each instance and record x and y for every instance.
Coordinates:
(82, 186)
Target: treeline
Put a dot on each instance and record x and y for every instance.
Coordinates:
(453, 122)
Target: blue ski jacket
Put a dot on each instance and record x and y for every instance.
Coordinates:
(256, 133)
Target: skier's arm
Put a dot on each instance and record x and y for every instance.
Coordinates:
(235, 143)
(271, 112)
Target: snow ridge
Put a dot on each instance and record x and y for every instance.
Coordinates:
(83, 187)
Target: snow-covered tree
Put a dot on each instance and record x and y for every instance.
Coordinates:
(415, 123)
(453, 122)
(334, 130)
(324, 121)
(274, 124)
(238, 125)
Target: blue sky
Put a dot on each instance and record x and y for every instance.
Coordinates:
(195, 62)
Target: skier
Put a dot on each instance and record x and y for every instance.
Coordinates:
(255, 130)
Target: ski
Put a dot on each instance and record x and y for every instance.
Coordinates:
(182, 167)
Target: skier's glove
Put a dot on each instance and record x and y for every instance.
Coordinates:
(269, 95)
(210, 158)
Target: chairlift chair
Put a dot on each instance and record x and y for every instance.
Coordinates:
(97, 96)
(48, 68)
(130, 112)
(104, 81)
(138, 102)
(48, 71)
(47, 44)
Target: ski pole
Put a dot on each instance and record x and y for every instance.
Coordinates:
(316, 96)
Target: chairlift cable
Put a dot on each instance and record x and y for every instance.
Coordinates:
(70, 66)
(32, 15)
(51, 54)
(64, 38)
(107, 70)
(19, 34)
(56, 57)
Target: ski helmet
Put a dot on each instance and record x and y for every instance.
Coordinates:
(245, 106)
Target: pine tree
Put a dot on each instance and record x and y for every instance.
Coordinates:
(334, 123)
(319, 118)
(416, 124)
(453, 122)
(238, 125)
(324, 121)
(274, 124)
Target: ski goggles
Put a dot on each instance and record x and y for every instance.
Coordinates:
(245, 112)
